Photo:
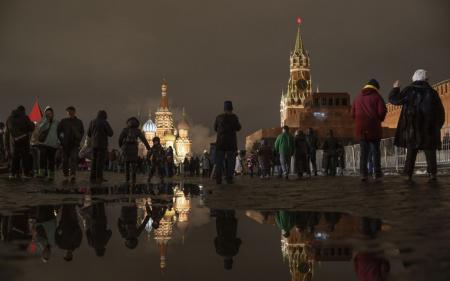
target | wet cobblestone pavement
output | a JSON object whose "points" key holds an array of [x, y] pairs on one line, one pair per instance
{"points": [[332, 227]]}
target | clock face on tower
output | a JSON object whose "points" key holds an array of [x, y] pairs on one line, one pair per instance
{"points": [[302, 84]]}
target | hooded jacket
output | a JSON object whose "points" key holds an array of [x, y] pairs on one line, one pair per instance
{"points": [[421, 118], [99, 131], [18, 126], [52, 135], [368, 111], [128, 140], [284, 144]]}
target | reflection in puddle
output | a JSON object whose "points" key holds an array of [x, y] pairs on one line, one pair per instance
{"points": [[170, 226]]}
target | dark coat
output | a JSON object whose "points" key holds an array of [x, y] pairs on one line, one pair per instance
{"points": [[227, 243], [226, 126], [312, 142], [18, 126], [99, 131], [128, 140], [70, 132], [68, 234], [421, 118], [368, 111], [331, 146], [301, 146]]}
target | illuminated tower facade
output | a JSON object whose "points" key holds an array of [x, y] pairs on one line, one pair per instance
{"points": [[299, 86], [183, 142], [164, 118]]}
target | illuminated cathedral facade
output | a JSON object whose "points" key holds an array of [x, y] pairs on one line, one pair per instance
{"points": [[164, 128]]}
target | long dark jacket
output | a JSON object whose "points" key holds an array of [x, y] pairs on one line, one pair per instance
{"points": [[226, 126], [18, 126], [70, 132], [99, 131], [301, 146], [421, 118], [312, 142], [227, 243], [68, 234], [128, 140]]}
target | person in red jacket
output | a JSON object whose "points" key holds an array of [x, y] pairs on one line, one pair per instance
{"points": [[369, 111]]}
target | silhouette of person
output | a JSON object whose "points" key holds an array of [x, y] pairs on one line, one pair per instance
{"points": [[127, 224], [97, 232], [68, 234], [227, 244]]}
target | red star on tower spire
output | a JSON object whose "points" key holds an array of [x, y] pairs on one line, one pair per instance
{"points": [[299, 20]]}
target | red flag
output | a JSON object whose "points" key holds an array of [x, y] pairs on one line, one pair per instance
{"points": [[36, 112]]}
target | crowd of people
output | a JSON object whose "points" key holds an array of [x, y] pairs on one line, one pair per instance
{"points": [[37, 149], [419, 129]]}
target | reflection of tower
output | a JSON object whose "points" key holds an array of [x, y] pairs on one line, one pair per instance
{"points": [[164, 118], [183, 143], [297, 253], [299, 85], [163, 234], [182, 205]]}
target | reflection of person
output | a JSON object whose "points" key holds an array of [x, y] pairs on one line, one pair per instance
{"points": [[227, 244], [44, 230], [285, 221], [97, 232], [68, 234], [127, 224], [370, 267]]}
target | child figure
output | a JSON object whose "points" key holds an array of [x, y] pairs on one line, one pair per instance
{"points": [[157, 157], [128, 142]]}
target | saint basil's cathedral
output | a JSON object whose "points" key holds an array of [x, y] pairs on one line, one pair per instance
{"points": [[164, 128]]}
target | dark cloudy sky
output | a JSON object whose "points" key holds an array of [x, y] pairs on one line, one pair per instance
{"points": [[113, 54]]}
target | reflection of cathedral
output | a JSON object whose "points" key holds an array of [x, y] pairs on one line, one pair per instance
{"points": [[163, 127], [178, 215]]}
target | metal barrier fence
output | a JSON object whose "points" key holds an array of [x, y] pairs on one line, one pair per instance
{"points": [[393, 158]]}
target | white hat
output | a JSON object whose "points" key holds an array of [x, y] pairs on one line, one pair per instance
{"points": [[420, 75]]}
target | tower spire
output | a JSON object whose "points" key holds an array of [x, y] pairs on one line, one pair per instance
{"points": [[298, 41], [164, 102]]}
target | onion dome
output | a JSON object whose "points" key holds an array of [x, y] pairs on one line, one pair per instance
{"points": [[149, 127]]}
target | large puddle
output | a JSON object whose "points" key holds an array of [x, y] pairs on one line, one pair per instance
{"points": [[167, 233]]}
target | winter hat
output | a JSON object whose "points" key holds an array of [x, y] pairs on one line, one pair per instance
{"points": [[228, 106], [374, 83], [420, 75]]}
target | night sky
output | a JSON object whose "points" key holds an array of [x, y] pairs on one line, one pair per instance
{"points": [[113, 55]]}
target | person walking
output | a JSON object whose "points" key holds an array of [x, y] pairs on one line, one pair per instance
{"points": [[301, 152], [420, 123], [99, 131], [157, 157], [226, 125], [70, 133], [369, 111], [128, 142], [48, 144], [17, 143], [285, 147], [313, 144], [330, 149], [206, 164], [265, 155]]}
